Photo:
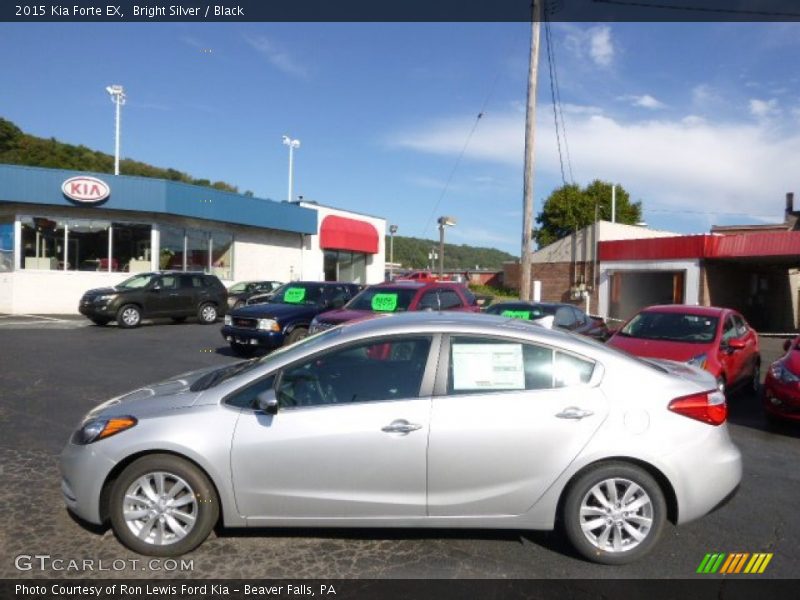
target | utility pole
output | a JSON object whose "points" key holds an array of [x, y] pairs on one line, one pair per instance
{"points": [[293, 145], [392, 231], [117, 93], [443, 222], [527, 185]]}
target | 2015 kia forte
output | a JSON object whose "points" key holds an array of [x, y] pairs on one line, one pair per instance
{"points": [[413, 420]]}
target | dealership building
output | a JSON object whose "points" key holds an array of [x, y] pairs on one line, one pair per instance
{"points": [[63, 232]]}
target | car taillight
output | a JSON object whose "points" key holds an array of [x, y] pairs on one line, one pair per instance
{"points": [[709, 407]]}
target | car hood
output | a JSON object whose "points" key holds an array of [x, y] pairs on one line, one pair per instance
{"points": [[103, 291], [679, 351], [277, 311], [164, 395]]}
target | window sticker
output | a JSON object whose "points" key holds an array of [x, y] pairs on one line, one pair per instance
{"points": [[294, 295], [488, 367], [517, 314], [384, 302]]}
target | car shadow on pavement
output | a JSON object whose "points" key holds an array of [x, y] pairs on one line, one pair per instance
{"points": [[87, 526], [744, 410]]}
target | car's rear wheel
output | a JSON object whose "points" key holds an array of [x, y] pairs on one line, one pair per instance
{"points": [[163, 505], [207, 314], [129, 316], [614, 513], [297, 335], [101, 322]]}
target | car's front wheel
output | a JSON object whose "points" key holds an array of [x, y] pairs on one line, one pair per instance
{"points": [[614, 513], [297, 335], [129, 316], [163, 505], [207, 314]]}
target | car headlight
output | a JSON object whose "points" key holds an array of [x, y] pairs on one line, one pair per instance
{"points": [[698, 361], [268, 325], [782, 374], [228, 320], [104, 298], [99, 429]]}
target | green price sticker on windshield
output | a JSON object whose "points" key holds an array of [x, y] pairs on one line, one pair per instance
{"points": [[384, 302], [517, 314], [294, 295]]}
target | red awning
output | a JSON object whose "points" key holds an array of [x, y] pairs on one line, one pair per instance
{"points": [[341, 233]]}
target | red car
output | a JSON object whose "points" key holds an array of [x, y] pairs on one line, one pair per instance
{"points": [[718, 340], [400, 296], [781, 396]]}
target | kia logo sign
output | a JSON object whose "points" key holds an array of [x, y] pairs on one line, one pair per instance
{"points": [[88, 190]]}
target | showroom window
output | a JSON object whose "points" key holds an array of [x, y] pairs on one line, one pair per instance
{"points": [[222, 254], [6, 247], [130, 247], [87, 245], [40, 245], [196, 250], [171, 248], [350, 267]]}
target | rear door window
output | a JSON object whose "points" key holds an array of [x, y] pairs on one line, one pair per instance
{"points": [[449, 299]]}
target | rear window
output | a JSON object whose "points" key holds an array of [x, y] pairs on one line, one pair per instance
{"points": [[382, 299], [515, 310]]}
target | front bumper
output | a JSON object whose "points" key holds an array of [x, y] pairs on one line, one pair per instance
{"points": [[252, 337], [83, 472], [97, 310], [781, 399]]}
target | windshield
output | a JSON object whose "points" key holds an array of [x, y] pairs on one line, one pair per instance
{"points": [[229, 371], [238, 288], [671, 326], [383, 299], [137, 281], [520, 310], [298, 293]]}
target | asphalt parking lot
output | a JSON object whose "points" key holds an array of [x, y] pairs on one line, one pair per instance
{"points": [[53, 370]]}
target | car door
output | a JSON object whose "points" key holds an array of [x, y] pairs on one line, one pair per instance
{"points": [[750, 352], [190, 294], [349, 439], [733, 359], [507, 419], [161, 296]]}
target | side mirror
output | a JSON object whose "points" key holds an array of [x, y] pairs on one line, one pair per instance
{"points": [[156, 288], [267, 402], [786, 345], [736, 344]]}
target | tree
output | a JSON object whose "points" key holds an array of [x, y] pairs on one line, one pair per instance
{"points": [[569, 208]]}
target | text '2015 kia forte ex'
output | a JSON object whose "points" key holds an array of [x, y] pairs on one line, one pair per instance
{"points": [[413, 420]]}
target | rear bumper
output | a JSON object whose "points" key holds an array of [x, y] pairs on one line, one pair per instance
{"points": [[252, 337]]}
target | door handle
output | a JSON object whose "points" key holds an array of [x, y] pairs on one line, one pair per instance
{"points": [[400, 426], [573, 412]]}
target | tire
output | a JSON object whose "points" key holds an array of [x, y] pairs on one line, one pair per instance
{"points": [[157, 537], [129, 316], [207, 313], [296, 335], [598, 543], [242, 350], [178, 319], [101, 322]]}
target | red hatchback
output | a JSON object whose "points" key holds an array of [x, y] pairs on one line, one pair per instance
{"points": [[400, 296], [718, 340], [782, 384]]}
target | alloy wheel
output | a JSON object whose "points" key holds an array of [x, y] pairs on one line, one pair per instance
{"points": [[160, 508], [131, 316], [616, 515], [208, 313]]}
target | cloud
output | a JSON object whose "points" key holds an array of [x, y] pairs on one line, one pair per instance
{"points": [[277, 56], [764, 109], [595, 42], [682, 163], [476, 235], [644, 101], [704, 95], [601, 49]]}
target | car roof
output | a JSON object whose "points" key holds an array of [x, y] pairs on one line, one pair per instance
{"points": [[687, 309]]}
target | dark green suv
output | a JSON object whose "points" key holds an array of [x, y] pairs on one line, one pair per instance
{"points": [[173, 294]]}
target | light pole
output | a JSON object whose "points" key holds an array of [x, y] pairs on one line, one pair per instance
{"points": [[392, 231], [443, 222], [118, 97], [287, 141]]}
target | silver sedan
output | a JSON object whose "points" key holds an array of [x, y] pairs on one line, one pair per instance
{"points": [[414, 420]]}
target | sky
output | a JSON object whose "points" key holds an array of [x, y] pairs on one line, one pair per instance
{"points": [[699, 121]]}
